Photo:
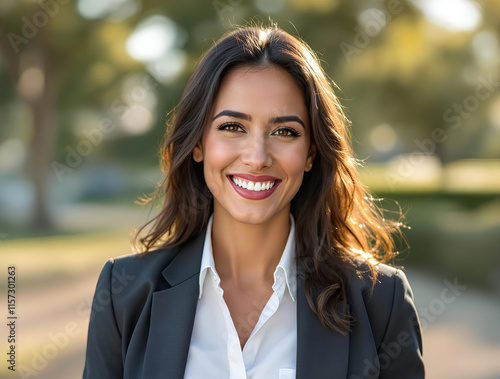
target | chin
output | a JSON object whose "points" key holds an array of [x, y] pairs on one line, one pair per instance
{"points": [[254, 215]]}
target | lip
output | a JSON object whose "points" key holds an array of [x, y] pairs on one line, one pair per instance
{"points": [[253, 195]]}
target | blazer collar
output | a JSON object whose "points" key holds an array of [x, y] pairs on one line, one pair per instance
{"points": [[186, 263], [172, 314], [320, 353]]}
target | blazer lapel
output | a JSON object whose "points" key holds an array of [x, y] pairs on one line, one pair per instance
{"points": [[172, 314], [321, 353]]}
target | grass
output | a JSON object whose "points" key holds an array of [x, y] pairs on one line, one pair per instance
{"points": [[46, 259]]}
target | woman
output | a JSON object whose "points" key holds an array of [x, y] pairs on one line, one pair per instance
{"points": [[265, 261]]}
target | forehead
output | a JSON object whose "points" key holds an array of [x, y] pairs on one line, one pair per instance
{"points": [[264, 90]]}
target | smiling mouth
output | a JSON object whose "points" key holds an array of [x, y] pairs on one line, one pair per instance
{"points": [[253, 186]]}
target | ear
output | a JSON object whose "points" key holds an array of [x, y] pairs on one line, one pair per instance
{"points": [[310, 157], [198, 152]]}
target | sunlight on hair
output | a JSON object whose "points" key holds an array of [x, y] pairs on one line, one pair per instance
{"points": [[366, 256]]}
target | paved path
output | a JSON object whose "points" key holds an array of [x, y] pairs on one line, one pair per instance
{"points": [[52, 328], [461, 328]]}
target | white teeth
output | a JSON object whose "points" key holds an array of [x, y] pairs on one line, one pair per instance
{"points": [[258, 186]]}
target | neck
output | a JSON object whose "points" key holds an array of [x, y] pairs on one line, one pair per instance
{"points": [[246, 253]]}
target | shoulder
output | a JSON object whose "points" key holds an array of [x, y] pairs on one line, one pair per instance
{"points": [[388, 278], [127, 283], [148, 264], [389, 283], [136, 275], [387, 302], [139, 275], [385, 317]]}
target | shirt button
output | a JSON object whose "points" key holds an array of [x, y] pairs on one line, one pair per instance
{"points": [[277, 276], [214, 277]]}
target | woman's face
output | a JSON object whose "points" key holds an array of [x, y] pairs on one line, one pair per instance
{"points": [[256, 145]]}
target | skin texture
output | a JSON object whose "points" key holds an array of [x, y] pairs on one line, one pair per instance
{"points": [[249, 236]]}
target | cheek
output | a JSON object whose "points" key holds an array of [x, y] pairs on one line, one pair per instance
{"points": [[218, 155], [292, 159]]}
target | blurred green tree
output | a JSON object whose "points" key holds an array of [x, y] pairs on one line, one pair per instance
{"points": [[53, 54], [393, 65]]}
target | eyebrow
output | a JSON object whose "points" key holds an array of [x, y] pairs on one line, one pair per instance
{"points": [[272, 120]]}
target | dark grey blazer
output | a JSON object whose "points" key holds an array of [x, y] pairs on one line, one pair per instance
{"points": [[143, 312]]}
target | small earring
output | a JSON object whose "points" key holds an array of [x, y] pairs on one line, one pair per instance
{"points": [[310, 165]]}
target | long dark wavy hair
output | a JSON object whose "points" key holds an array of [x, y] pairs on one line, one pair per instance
{"points": [[337, 220]]}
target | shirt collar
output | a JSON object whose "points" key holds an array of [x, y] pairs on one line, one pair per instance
{"points": [[207, 259], [285, 270]]}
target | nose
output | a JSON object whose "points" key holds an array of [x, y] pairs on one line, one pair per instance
{"points": [[255, 153]]}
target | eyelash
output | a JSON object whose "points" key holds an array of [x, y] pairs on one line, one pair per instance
{"points": [[293, 132]]}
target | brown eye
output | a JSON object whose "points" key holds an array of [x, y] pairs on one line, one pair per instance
{"points": [[286, 132], [230, 127]]}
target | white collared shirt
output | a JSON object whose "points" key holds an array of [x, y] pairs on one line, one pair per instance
{"points": [[271, 350]]}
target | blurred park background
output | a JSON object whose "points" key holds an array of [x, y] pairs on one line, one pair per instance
{"points": [[85, 89]]}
